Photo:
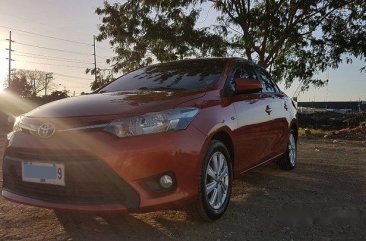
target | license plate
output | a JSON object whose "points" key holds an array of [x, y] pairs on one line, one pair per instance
{"points": [[47, 173]]}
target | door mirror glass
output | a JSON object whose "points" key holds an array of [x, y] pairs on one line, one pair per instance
{"points": [[247, 85]]}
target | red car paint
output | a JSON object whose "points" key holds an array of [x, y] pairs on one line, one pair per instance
{"points": [[257, 125]]}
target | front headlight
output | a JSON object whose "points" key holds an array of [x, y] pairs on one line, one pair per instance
{"points": [[169, 120], [23, 123], [16, 127], [17, 124]]}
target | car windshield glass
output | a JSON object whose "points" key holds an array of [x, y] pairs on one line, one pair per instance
{"points": [[187, 75]]}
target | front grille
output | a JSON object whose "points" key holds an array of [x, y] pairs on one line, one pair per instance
{"points": [[88, 181]]}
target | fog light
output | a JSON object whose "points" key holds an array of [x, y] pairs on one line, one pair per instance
{"points": [[166, 181]]}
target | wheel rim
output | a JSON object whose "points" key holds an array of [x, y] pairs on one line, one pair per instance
{"points": [[217, 180], [292, 150]]}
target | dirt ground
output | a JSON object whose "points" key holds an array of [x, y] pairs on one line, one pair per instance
{"points": [[324, 198]]}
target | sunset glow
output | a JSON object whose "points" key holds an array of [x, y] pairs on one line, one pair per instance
{"points": [[70, 60], [3, 64]]}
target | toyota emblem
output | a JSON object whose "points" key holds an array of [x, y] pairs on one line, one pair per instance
{"points": [[46, 130]]}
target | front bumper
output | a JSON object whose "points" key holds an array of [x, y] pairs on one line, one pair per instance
{"points": [[99, 208], [88, 182], [105, 173]]}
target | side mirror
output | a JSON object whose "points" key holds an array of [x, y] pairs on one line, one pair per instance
{"points": [[247, 85]]}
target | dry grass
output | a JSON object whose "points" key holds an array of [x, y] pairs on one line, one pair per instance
{"points": [[314, 132], [357, 133]]}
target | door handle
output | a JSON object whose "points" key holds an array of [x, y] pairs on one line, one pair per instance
{"points": [[268, 110], [285, 106]]}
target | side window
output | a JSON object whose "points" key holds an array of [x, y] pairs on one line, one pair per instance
{"points": [[244, 71], [266, 80], [277, 88]]}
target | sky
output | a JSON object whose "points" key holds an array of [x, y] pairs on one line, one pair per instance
{"points": [[76, 20], [66, 19]]}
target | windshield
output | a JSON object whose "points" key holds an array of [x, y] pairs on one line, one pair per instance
{"points": [[187, 74]]}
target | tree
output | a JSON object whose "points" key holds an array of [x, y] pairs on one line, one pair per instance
{"points": [[19, 86], [293, 39], [56, 95], [36, 80], [104, 76]]}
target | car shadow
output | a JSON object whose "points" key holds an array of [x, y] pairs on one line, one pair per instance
{"points": [[312, 202], [107, 227]]}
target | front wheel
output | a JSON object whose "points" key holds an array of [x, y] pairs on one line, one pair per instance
{"points": [[215, 183], [288, 161]]}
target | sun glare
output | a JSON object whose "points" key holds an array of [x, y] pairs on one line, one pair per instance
{"points": [[3, 64]]}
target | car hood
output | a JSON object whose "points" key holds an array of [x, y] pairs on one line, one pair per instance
{"points": [[116, 103]]}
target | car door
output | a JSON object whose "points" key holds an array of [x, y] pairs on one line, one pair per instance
{"points": [[254, 121], [277, 109]]}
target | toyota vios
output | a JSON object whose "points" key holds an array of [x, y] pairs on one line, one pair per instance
{"points": [[165, 136]]}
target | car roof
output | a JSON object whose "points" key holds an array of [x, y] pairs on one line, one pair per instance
{"points": [[213, 59]]}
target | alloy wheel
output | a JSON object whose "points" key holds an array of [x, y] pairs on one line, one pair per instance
{"points": [[217, 180], [292, 152]]}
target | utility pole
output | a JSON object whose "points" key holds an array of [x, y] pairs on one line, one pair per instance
{"points": [[9, 58], [47, 81], [95, 61]]}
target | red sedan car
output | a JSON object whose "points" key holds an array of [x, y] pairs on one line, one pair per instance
{"points": [[165, 136]]}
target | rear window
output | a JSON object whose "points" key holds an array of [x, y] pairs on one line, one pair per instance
{"points": [[187, 74]]}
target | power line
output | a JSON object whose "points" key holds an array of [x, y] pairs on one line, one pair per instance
{"points": [[70, 76], [53, 59], [47, 56], [59, 65], [103, 57], [64, 75], [104, 48], [298, 90], [53, 37], [53, 49], [69, 66], [45, 36], [58, 59], [27, 19]]}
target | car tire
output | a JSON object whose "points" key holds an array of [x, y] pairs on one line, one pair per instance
{"points": [[215, 184], [289, 159]]}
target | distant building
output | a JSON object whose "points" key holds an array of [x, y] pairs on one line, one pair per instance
{"points": [[336, 106]]}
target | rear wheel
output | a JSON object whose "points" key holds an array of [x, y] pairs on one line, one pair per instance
{"points": [[215, 183], [288, 161]]}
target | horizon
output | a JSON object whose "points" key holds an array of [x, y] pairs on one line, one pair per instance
{"points": [[40, 44]]}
